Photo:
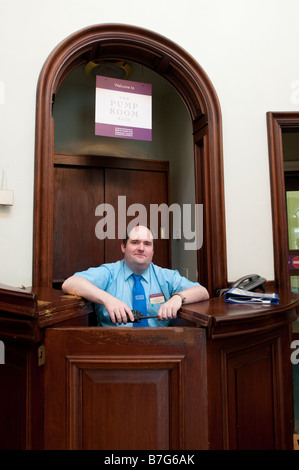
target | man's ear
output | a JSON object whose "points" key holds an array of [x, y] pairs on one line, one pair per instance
{"points": [[123, 248]]}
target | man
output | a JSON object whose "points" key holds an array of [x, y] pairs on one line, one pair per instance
{"points": [[110, 285]]}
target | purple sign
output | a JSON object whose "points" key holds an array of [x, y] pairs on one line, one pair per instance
{"points": [[123, 109]]}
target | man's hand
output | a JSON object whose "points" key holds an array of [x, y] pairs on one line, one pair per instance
{"points": [[169, 309], [118, 310]]}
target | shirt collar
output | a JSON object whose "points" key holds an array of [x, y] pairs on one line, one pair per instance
{"points": [[128, 272]]}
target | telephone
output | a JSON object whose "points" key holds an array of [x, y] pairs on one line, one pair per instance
{"points": [[249, 282]]}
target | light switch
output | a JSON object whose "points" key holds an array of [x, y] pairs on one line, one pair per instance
{"points": [[6, 197]]}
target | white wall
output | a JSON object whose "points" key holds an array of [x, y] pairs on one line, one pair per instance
{"points": [[248, 49]]}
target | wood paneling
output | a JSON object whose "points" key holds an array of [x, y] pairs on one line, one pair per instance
{"points": [[277, 123], [252, 408], [129, 399], [20, 370], [139, 187], [81, 184], [77, 192], [221, 378], [121, 389]]}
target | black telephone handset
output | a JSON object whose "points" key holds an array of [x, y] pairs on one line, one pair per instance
{"points": [[249, 282]]}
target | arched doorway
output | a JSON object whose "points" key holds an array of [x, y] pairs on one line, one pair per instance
{"points": [[191, 82]]}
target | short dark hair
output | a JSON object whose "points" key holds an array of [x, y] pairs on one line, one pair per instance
{"points": [[126, 238]]}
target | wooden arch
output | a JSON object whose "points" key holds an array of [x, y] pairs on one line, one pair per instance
{"points": [[189, 79]]}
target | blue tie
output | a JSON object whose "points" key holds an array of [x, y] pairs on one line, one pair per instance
{"points": [[139, 300]]}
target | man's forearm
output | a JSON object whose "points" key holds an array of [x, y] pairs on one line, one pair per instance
{"points": [[195, 294], [77, 285], [117, 309]]}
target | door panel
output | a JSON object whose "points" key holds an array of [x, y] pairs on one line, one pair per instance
{"points": [[138, 187], [116, 388], [82, 183], [252, 405], [77, 192]]}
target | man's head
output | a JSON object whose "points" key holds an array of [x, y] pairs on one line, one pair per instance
{"points": [[138, 249]]}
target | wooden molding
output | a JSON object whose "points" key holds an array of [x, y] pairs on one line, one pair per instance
{"points": [[277, 122], [189, 79]]}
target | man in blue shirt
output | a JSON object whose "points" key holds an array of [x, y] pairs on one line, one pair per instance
{"points": [[110, 285]]}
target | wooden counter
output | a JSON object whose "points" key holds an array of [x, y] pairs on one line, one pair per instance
{"points": [[221, 378], [222, 319]]}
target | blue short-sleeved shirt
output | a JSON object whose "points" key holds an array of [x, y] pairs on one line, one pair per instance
{"points": [[116, 279]]}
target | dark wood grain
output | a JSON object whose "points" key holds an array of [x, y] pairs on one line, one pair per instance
{"points": [[221, 378]]}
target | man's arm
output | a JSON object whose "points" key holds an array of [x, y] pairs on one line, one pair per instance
{"points": [[117, 309], [193, 294]]}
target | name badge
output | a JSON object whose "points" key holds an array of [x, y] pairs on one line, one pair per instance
{"points": [[157, 298], [139, 297]]}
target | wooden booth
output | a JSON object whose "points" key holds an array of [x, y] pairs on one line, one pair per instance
{"points": [[220, 379]]}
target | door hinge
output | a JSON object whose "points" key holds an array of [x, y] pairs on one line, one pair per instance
{"points": [[41, 355]]}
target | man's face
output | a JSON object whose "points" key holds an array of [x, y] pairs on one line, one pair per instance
{"points": [[139, 250]]}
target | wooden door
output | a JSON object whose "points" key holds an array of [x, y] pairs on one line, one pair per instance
{"points": [[120, 388], [82, 183], [77, 192], [145, 188]]}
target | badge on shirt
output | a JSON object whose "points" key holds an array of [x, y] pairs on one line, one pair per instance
{"points": [[139, 297], [157, 298]]}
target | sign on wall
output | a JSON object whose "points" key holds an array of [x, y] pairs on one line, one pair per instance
{"points": [[123, 109]]}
